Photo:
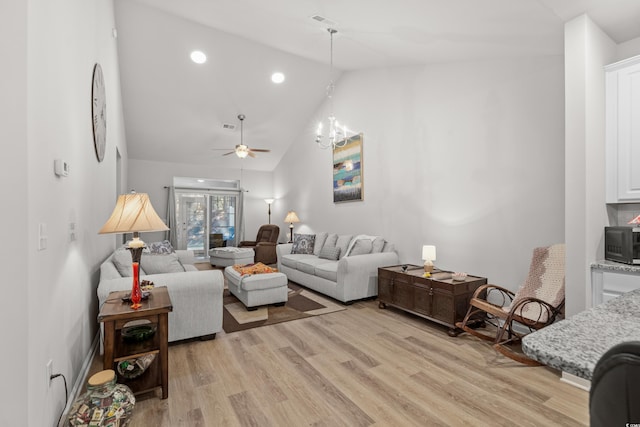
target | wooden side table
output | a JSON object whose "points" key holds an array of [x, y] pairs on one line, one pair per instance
{"points": [[437, 298], [115, 314]]}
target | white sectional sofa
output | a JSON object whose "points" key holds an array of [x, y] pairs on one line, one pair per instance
{"points": [[196, 295], [343, 267]]}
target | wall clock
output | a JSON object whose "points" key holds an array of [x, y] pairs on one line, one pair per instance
{"points": [[99, 112]]}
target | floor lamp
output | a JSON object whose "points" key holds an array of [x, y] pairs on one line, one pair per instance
{"points": [[268, 202]]}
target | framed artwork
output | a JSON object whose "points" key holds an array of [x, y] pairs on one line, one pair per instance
{"points": [[347, 171]]}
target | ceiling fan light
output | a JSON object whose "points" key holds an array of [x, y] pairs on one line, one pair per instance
{"points": [[242, 151]]}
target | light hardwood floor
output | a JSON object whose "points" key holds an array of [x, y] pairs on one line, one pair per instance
{"points": [[358, 367]]}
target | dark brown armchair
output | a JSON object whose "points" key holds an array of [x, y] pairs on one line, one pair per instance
{"points": [[265, 244]]}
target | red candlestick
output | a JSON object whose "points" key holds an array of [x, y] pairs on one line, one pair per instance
{"points": [[136, 293]]}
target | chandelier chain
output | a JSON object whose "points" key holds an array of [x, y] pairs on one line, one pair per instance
{"points": [[337, 134]]}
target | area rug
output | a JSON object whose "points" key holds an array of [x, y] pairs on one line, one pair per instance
{"points": [[301, 303]]}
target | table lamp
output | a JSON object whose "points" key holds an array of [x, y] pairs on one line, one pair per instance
{"points": [[428, 255], [291, 218], [134, 214]]}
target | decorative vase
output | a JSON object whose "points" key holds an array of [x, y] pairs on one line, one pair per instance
{"points": [[105, 403], [136, 293]]}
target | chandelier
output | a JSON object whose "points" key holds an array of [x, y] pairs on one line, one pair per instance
{"points": [[336, 133]]}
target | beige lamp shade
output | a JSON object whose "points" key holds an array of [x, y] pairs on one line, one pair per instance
{"points": [[133, 214], [428, 253], [291, 217]]}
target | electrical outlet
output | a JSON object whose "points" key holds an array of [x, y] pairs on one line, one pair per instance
{"points": [[49, 371]]}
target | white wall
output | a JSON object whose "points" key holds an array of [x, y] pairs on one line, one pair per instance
{"points": [[587, 50], [468, 157], [16, 274], [64, 40], [151, 177]]}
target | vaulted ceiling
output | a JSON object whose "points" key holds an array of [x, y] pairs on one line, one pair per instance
{"points": [[175, 110]]}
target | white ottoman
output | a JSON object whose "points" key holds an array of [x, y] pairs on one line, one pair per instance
{"points": [[227, 256], [258, 289]]}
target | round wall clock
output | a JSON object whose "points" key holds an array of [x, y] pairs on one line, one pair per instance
{"points": [[99, 112]]}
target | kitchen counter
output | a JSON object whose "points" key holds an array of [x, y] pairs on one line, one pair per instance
{"points": [[615, 266], [575, 345]]}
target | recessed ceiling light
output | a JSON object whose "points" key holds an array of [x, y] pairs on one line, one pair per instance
{"points": [[198, 57], [201, 180], [277, 77]]}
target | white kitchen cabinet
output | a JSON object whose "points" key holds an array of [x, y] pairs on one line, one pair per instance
{"points": [[623, 131]]}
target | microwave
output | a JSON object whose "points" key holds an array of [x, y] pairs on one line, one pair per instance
{"points": [[622, 244]]}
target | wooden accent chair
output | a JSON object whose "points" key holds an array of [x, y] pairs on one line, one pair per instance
{"points": [[538, 303], [265, 244]]}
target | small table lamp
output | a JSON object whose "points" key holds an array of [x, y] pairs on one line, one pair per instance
{"points": [[428, 255], [268, 202], [291, 218], [134, 214]]}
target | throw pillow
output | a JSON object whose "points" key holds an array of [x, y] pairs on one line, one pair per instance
{"points": [[329, 252], [122, 260], [378, 244], [361, 247], [158, 264], [303, 244], [320, 239], [343, 243], [163, 247], [331, 240]]}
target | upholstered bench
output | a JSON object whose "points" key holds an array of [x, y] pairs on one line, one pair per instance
{"points": [[257, 289], [227, 256]]}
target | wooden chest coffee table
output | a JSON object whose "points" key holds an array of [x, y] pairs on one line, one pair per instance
{"points": [[437, 298]]}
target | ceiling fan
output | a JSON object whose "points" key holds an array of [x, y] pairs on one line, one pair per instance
{"points": [[241, 150]]}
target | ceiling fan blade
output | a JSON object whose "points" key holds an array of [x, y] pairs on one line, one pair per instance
{"points": [[260, 150], [251, 154], [220, 149], [230, 152]]}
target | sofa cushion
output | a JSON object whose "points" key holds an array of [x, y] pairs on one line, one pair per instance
{"points": [[291, 260], [328, 270], [319, 243], [330, 252], [157, 264], [303, 244], [343, 243], [308, 265], [122, 260], [361, 247]]}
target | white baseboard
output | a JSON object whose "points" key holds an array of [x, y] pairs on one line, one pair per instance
{"points": [[82, 378], [576, 381]]}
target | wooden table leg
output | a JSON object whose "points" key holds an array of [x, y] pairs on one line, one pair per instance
{"points": [[163, 329], [109, 343]]}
